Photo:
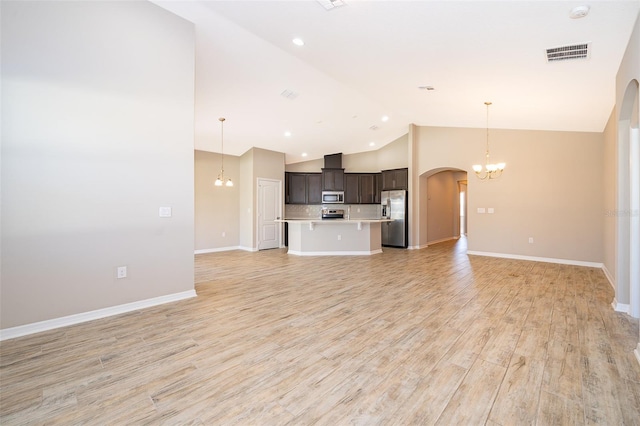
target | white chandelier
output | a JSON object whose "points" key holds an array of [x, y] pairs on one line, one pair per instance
{"points": [[491, 171], [220, 179]]}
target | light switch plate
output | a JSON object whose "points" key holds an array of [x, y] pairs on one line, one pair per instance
{"points": [[164, 212], [481, 210], [490, 210]]}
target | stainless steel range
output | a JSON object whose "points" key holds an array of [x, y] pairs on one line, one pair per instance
{"points": [[333, 213]]}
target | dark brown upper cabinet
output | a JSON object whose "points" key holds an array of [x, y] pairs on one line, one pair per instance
{"points": [[395, 179], [333, 179], [303, 188]]}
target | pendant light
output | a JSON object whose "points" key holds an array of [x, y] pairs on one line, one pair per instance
{"points": [[491, 171], [220, 179]]}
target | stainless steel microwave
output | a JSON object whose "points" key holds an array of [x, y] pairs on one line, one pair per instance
{"points": [[332, 197]]}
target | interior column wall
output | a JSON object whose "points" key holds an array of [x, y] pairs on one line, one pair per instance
{"points": [[97, 135]]}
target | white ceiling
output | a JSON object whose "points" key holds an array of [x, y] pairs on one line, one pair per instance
{"points": [[368, 58]]}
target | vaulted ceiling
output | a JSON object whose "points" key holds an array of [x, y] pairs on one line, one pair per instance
{"points": [[372, 59]]}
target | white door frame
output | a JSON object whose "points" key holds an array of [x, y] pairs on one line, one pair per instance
{"points": [[634, 222]]}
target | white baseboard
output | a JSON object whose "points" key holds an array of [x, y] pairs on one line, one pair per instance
{"points": [[37, 327], [419, 247], [620, 307], [537, 259], [248, 248], [333, 253], [215, 250], [441, 240]]}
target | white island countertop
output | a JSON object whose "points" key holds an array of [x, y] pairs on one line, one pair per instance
{"points": [[333, 221], [316, 220], [318, 237]]}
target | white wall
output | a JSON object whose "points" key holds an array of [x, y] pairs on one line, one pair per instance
{"points": [[394, 155], [217, 208], [551, 189], [97, 134]]}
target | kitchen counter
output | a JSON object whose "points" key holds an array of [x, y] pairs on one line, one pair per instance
{"points": [[334, 237]]}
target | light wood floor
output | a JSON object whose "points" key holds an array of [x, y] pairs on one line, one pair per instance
{"points": [[428, 336]]}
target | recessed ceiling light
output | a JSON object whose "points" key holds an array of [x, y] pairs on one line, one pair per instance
{"points": [[304, 154], [298, 41], [385, 118], [372, 144], [287, 134], [579, 12]]}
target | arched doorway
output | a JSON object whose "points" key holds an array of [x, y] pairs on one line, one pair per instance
{"points": [[443, 198], [628, 202]]}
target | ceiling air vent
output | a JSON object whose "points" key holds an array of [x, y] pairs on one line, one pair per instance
{"points": [[564, 53]]}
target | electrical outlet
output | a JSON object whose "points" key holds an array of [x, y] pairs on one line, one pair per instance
{"points": [[224, 234], [339, 237], [122, 272], [530, 240]]}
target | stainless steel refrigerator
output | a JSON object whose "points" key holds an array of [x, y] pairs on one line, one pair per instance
{"points": [[394, 206]]}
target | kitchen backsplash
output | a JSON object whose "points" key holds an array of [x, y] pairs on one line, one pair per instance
{"points": [[357, 211]]}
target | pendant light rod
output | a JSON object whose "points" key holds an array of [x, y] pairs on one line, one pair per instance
{"points": [[491, 171], [220, 179], [221, 120]]}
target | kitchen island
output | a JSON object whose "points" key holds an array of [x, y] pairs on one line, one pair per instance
{"points": [[334, 237]]}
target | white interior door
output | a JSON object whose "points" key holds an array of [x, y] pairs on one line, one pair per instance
{"points": [[269, 210]]}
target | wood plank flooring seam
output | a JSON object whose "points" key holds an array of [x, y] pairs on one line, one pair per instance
{"points": [[429, 336]]}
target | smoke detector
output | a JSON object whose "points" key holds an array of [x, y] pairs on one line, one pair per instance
{"points": [[579, 12]]}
